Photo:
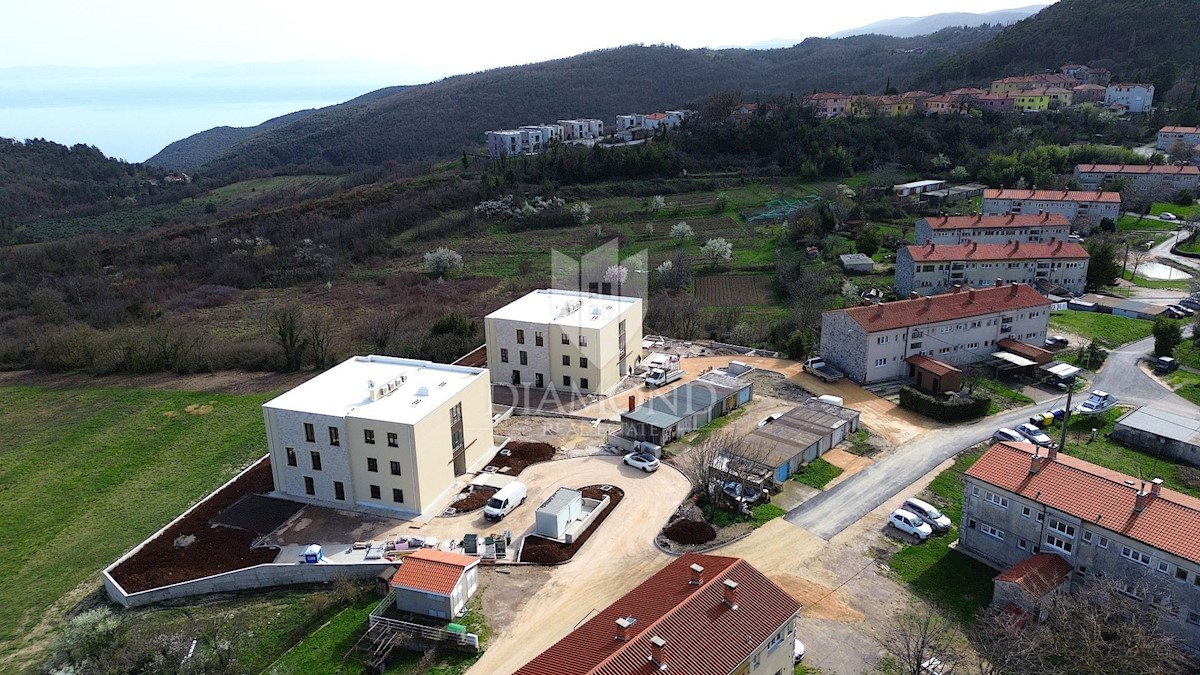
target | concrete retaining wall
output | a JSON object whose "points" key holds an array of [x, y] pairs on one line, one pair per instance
{"points": [[583, 524]]}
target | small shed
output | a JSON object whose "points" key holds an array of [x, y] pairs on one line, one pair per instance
{"points": [[664, 418], [557, 512], [1032, 583], [933, 376], [436, 583], [1157, 431], [857, 263], [1036, 354], [799, 436]]}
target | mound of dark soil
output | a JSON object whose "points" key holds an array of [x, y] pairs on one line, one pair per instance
{"points": [[522, 454], [474, 500], [547, 551], [690, 532]]}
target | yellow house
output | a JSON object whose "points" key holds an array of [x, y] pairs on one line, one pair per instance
{"points": [[380, 434], [1050, 98]]}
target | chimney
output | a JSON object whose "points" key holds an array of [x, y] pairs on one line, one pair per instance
{"points": [[697, 575], [657, 652], [1051, 454], [1156, 487], [913, 295], [865, 302], [932, 246], [879, 309], [1016, 244], [971, 295], [1046, 216], [1013, 292], [1035, 462], [631, 402], [928, 303], [731, 593], [1052, 239], [1139, 502], [623, 626], [1011, 217], [1059, 247], [957, 287]]}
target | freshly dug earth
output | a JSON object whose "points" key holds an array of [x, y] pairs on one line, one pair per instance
{"points": [[215, 550], [690, 532], [547, 551], [474, 500], [522, 454]]}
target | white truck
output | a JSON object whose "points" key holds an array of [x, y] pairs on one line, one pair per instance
{"points": [[660, 376], [817, 366]]}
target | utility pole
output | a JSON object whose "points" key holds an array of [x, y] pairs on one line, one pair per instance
{"points": [[1062, 445]]}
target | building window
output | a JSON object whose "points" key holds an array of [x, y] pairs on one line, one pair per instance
{"points": [[583, 362], [582, 340], [291, 456], [583, 383], [310, 487], [975, 490], [1164, 567], [879, 363], [372, 465], [1025, 511], [998, 500], [334, 438], [395, 467], [566, 359], [566, 380], [310, 433], [316, 460], [1054, 541], [991, 531], [393, 440], [369, 436], [456, 413], [1087, 537], [524, 358], [339, 491], [566, 339], [398, 495], [1021, 544], [1064, 528], [520, 336], [503, 355], [375, 492], [1135, 555], [1181, 574], [538, 338], [1103, 543], [1193, 618]]}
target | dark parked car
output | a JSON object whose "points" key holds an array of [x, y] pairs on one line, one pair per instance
{"points": [[1056, 342]]}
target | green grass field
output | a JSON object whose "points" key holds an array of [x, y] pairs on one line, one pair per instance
{"points": [[1107, 330], [934, 571], [89, 473], [1184, 212], [1133, 224], [1173, 284], [817, 474]]}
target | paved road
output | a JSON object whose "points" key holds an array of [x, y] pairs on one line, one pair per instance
{"points": [[834, 510]]}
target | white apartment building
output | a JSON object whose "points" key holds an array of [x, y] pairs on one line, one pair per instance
{"points": [[1135, 98], [870, 343], [626, 122], [992, 229], [380, 434], [936, 268], [1169, 136], [529, 139], [1080, 207], [1149, 179], [550, 338], [581, 128]]}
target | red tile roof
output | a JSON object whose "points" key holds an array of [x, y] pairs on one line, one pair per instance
{"points": [[919, 93], [1098, 496], [1054, 195], [826, 96], [1008, 220], [1021, 349], [1028, 250], [931, 365], [1179, 130], [703, 635], [1139, 168], [945, 307], [433, 571], [1038, 574], [1091, 87]]}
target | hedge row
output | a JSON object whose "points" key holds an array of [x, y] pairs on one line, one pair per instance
{"points": [[943, 410]]}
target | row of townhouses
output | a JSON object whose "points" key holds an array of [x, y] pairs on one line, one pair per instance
{"points": [[1083, 208], [535, 138], [937, 268], [1072, 522], [998, 229], [1156, 180], [1168, 136]]}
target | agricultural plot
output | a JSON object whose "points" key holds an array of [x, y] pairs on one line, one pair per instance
{"points": [[736, 290]]}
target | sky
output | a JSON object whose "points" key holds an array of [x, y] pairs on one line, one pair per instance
{"points": [[338, 50]]}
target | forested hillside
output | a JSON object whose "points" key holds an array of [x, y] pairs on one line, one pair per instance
{"points": [[1138, 40], [38, 177], [443, 117], [206, 146]]}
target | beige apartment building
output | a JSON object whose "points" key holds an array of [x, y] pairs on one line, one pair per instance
{"points": [[1000, 229], [937, 268], [380, 434], [1161, 180], [550, 338], [871, 343]]}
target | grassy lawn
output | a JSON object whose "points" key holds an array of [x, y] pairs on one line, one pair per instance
{"points": [[1003, 397], [1107, 330], [938, 574], [88, 473], [716, 425], [817, 474], [1132, 224], [1174, 284], [1184, 212], [1192, 246], [1186, 385]]}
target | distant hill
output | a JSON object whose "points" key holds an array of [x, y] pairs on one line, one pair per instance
{"points": [[1135, 39], [38, 177], [199, 149], [911, 26], [441, 118]]}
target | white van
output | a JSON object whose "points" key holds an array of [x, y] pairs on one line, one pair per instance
{"points": [[504, 501]]}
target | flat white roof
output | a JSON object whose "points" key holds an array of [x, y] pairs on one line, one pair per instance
{"points": [[918, 183], [564, 308], [345, 389]]}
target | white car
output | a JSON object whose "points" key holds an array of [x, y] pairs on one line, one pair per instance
{"points": [[643, 461], [768, 419], [736, 491], [910, 523], [1002, 435], [1166, 215], [797, 652], [1098, 402], [928, 513], [1035, 435]]}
